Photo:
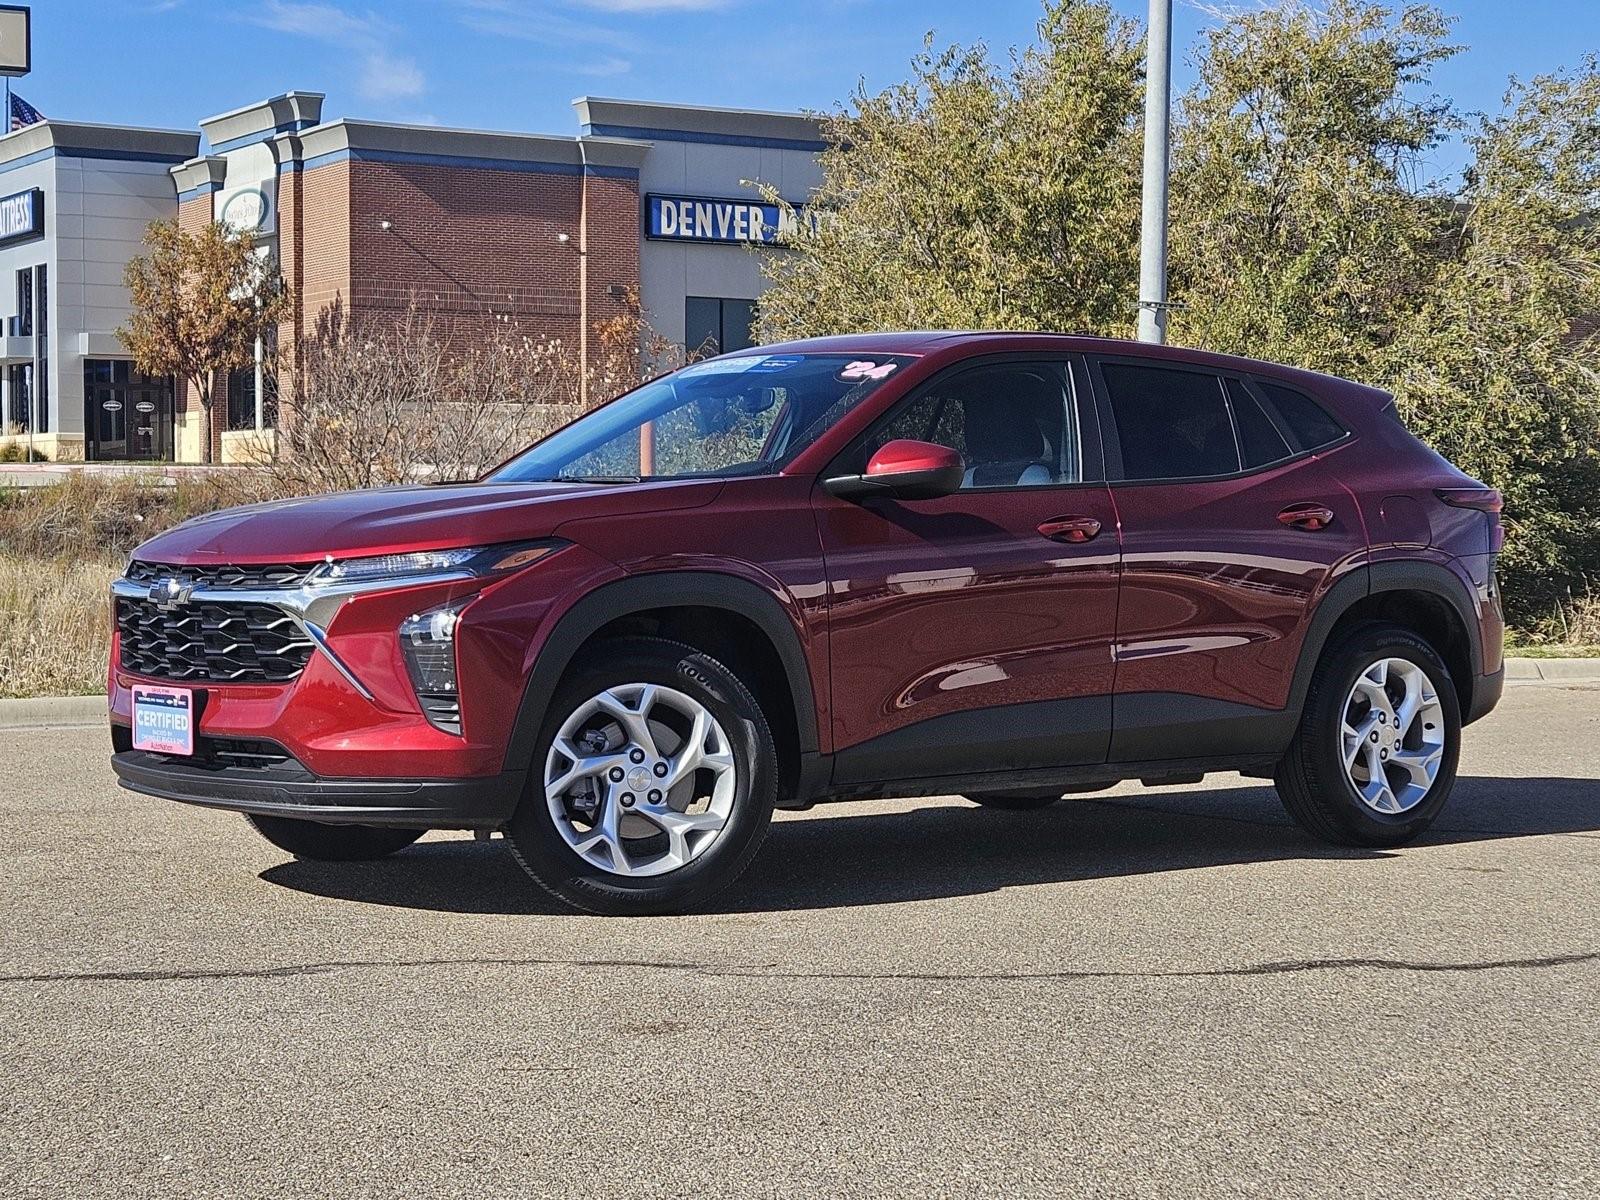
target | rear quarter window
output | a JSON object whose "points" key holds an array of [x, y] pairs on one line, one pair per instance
{"points": [[1306, 419]]}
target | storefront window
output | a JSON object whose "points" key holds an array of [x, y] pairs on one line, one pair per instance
{"points": [[242, 391], [20, 390], [42, 356], [716, 326]]}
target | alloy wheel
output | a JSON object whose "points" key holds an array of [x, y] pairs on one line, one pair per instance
{"points": [[640, 780], [1392, 736]]}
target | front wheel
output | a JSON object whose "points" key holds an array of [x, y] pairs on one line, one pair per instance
{"points": [[1374, 758], [317, 842], [653, 784]]}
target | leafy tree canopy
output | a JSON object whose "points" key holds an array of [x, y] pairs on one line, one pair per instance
{"points": [[200, 300]]}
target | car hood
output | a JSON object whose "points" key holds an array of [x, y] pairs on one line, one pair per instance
{"points": [[398, 519]]}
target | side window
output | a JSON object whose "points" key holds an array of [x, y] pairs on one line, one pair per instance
{"points": [[1307, 420], [1012, 423], [1259, 439], [1171, 424]]}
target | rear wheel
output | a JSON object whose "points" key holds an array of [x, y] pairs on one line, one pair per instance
{"points": [[316, 842], [653, 784], [1374, 758], [1021, 801]]}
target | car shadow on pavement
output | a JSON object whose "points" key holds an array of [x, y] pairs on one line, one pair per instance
{"points": [[884, 856]]}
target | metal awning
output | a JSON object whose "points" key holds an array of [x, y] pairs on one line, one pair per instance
{"points": [[15, 349]]}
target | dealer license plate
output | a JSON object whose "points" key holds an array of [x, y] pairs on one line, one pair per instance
{"points": [[163, 719]]}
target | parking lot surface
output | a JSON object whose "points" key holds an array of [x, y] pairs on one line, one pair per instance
{"points": [[1164, 992]]}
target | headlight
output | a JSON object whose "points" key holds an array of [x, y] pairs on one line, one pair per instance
{"points": [[428, 644], [470, 560]]}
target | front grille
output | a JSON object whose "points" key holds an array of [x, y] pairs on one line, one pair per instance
{"points": [[234, 576], [220, 642]]}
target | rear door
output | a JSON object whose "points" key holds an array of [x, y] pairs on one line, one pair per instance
{"points": [[972, 633], [1232, 528]]}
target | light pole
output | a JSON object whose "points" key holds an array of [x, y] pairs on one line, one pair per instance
{"points": [[1153, 218]]}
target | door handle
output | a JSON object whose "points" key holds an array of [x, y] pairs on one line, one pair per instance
{"points": [[1310, 517], [1070, 529]]}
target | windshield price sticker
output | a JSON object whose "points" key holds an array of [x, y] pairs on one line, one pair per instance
{"points": [[861, 369], [726, 365]]}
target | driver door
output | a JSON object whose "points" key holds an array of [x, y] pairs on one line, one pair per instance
{"points": [[972, 633]]}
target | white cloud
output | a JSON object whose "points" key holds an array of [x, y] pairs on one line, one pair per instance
{"points": [[383, 75]]}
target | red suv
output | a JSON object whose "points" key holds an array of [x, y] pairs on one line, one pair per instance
{"points": [[1011, 566]]}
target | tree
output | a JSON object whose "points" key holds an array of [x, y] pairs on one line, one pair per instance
{"points": [[1298, 231], [1498, 367], [200, 302], [976, 196]]}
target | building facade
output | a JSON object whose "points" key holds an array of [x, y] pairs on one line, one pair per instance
{"points": [[550, 234], [74, 202]]}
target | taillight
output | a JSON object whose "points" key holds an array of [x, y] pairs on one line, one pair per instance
{"points": [[1484, 499]]}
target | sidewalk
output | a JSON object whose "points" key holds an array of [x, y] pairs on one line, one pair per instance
{"points": [[44, 474], [62, 712]]}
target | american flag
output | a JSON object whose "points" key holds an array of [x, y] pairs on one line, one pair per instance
{"points": [[23, 113]]}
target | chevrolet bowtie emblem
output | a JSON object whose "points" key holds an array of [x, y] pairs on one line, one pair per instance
{"points": [[169, 594]]}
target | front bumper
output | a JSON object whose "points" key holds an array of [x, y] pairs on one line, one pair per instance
{"points": [[482, 802]]}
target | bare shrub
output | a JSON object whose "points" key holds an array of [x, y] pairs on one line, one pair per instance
{"points": [[385, 401], [388, 400]]}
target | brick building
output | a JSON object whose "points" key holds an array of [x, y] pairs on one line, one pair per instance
{"points": [[551, 233]]}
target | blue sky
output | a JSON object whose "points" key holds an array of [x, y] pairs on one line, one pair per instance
{"points": [[517, 64]]}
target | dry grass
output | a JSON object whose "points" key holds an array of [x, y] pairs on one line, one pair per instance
{"points": [[55, 624], [60, 547], [1574, 621]]}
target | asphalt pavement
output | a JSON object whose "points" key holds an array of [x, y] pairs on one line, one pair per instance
{"points": [[1162, 992]]}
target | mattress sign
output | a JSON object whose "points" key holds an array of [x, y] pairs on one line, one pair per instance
{"points": [[21, 216]]}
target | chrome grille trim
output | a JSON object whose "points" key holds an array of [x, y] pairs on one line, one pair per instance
{"points": [[229, 576]]}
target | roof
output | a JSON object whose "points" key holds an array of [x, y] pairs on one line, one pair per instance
{"points": [[959, 343]]}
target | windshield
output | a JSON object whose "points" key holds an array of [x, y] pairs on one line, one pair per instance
{"points": [[737, 415]]}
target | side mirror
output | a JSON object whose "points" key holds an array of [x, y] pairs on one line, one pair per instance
{"points": [[904, 470]]}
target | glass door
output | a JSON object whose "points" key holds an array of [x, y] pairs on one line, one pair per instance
{"points": [[127, 416]]}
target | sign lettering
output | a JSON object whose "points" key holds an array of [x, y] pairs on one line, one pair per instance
{"points": [[21, 216], [703, 219]]}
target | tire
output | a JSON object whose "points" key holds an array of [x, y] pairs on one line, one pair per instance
{"points": [[1325, 798], [1013, 801], [313, 841], [578, 862]]}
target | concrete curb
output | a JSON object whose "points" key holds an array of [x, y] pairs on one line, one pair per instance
{"points": [[1552, 670], [52, 712], [66, 712]]}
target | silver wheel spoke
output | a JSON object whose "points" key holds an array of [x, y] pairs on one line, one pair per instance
{"points": [[678, 826], [631, 716], [1372, 685], [1421, 765], [582, 767], [690, 754], [700, 772], [1411, 703], [1355, 739]]}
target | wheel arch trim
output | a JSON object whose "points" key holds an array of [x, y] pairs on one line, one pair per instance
{"points": [[641, 593], [1374, 579]]}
